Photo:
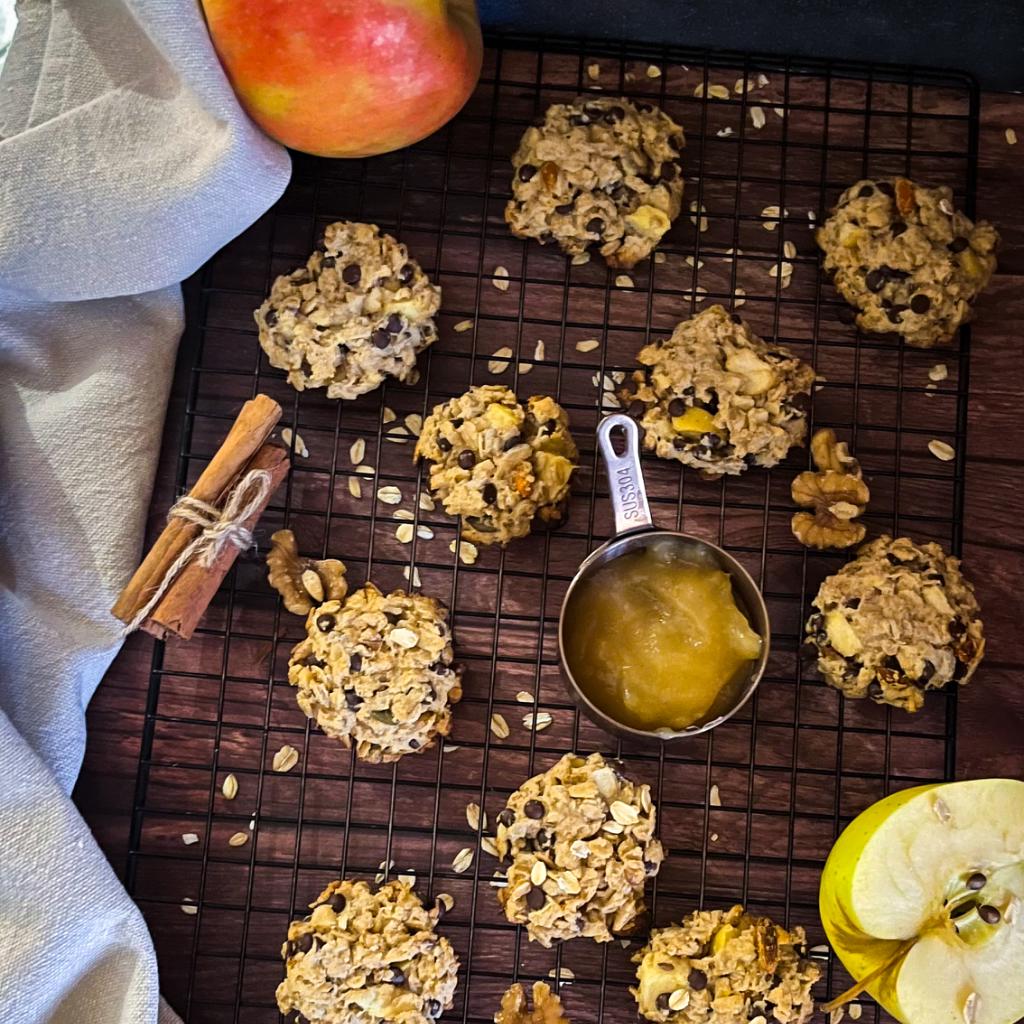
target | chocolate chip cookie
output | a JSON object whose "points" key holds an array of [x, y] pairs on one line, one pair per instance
{"points": [[725, 967], [601, 172], [898, 620], [360, 310], [906, 259], [364, 956], [503, 468], [579, 840], [716, 397], [376, 671]]}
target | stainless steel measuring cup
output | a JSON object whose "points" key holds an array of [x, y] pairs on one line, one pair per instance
{"points": [[635, 529]]}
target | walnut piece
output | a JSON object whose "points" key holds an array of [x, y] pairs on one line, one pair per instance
{"points": [[547, 1007], [836, 493], [302, 582]]}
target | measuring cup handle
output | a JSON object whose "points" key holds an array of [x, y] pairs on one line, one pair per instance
{"points": [[625, 480]]}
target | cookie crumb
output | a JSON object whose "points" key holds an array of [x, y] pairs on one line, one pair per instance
{"points": [[938, 372]]}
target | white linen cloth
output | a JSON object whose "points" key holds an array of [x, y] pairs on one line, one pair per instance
{"points": [[125, 162]]}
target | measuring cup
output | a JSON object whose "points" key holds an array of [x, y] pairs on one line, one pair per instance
{"points": [[635, 529]]}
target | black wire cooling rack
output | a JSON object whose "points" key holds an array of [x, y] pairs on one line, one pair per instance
{"points": [[748, 812]]}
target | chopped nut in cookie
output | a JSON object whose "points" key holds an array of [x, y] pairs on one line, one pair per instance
{"points": [[546, 1009], [302, 582]]}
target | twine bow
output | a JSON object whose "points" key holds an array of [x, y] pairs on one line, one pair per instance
{"points": [[219, 528]]}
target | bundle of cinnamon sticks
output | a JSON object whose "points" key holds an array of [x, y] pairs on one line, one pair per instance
{"points": [[189, 593]]}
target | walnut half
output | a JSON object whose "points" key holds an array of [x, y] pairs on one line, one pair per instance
{"points": [[303, 583], [836, 493], [547, 1007]]}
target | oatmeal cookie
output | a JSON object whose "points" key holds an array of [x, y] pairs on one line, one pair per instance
{"points": [[898, 620], [598, 171], [360, 310], [906, 259], [501, 467], [547, 1007], [715, 397], [365, 956], [579, 841], [725, 967], [376, 671]]}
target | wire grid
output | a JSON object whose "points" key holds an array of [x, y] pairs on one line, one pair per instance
{"points": [[790, 769]]}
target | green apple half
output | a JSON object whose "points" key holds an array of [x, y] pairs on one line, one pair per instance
{"points": [[922, 898]]}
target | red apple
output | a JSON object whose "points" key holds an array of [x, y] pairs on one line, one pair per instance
{"points": [[348, 78]]}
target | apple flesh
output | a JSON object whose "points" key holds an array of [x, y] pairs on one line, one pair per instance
{"points": [[348, 78], [922, 898]]}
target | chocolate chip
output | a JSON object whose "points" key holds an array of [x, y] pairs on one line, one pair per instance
{"points": [[885, 188], [512, 442], [577, 120], [874, 690], [289, 950], [595, 225], [444, 444], [897, 227], [535, 898], [926, 673], [711, 402], [920, 303], [506, 817], [355, 662], [551, 426], [989, 914], [619, 191], [678, 142], [676, 407], [327, 261], [564, 208], [352, 273], [526, 172], [736, 318], [393, 617], [711, 441], [395, 323], [957, 245], [271, 317], [397, 976], [668, 172], [467, 460], [614, 114], [636, 409], [895, 313], [414, 744], [662, 1001], [875, 280], [490, 493], [353, 700], [457, 422], [312, 661], [381, 338], [865, 191], [325, 623], [679, 443], [433, 1008], [893, 274], [534, 809], [304, 943], [697, 980], [337, 902], [976, 881]]}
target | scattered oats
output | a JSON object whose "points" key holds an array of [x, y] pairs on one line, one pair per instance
{"points": [[699, 90], [579, 849], [445, 900], [836, 1015], [587, 346], [537, 722], [653, 71], [405, 638], [593, 71], [715, 797], [680, 999], [462, 326], [718, 92], [498, 363], [488, 845], [313, 585], [285, 759], [498, 880], [942, 451], [773, 213], [189, 838], [762, 79], [660, 257], [623, 813], [702, 224], [700, 293], [408, 877], [731, 254], [355, 488], [714, 837], [624, 943], [425, 502], [389, 415], [739, 300], [450, 748], [855, 1010], [538, 350], [524, 368], [819, 952], [287, 435], [779, 111], [724, 133], [691, 262], [938, 372], [189, 908], [1011, 137], [239, 839], [463, 860], [812, 216], [424, 532], [366, 470], [357, 450], [757, 117], [474, 816], [613, 828], [539, 872], [467, 551], [229, 787], [415, 574], [404, 533], [609, 402], [524, 697], [759, 1019], [500, 279], [390, 495], [646, 803], [783, 270], [742, 85], [403, 514], [629, 77], [414, 422], [580, 259], [789, 250], [946, 206], [561, 974], [623, 281], [397, 435], [382, 870], [499, 726], [930, 388]]}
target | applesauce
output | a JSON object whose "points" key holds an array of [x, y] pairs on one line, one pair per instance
{"points": [[656, 641]]}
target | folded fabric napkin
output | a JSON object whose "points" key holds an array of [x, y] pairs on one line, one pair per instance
{"points": [[125, 162]]}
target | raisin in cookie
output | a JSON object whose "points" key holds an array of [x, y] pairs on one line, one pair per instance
{"points": [[598, 171], [360, 310], [502, 467], [725, 967], [580, 842], [898, 620], [906, 259], [365, 956], [376, 671], [716, 397]]}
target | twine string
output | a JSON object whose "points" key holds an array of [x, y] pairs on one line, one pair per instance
{"points": [[219, 527]]}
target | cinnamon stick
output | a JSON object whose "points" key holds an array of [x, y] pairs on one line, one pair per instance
{"points": [[253, 426], [188, 597]]}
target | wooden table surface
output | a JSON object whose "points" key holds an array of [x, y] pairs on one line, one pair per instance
{"points": [[990, 722]]}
